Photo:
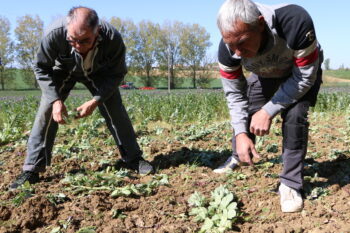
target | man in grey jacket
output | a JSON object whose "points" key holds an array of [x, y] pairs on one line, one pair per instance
{"points": [[80, 48], [278, 45]]}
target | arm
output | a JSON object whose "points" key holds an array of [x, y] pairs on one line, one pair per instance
{"points": [[235, 86], [302, 79], [296, 26], [109, 78], [43, 67], [112, 76]]}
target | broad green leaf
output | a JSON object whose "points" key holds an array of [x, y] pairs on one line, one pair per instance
{"points": [[207, 225], [226, 201], [232, 210], [56, 230], [200, 212], [196, 199], [224, 225]]}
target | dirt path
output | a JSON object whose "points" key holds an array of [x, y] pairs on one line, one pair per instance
{"points": [[330, 79]]}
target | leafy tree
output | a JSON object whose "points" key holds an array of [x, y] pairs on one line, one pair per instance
{"points": [[169, 49], [29, 31], [129, 33], [146, 57], [326, 64], [6, 51], [194, 44]]}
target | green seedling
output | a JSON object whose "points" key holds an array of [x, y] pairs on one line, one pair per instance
{"points": [[141, 189], [318, 192], [26, 191], [58, 198], [217, 213], [90, 229], [116, 213], [71, 115]]}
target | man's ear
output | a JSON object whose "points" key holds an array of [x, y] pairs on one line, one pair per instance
{"points": [[261, 20], [98, 30]]}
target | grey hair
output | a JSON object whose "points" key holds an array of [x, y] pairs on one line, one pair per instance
{"points": [[91, 18], [233, 10]]}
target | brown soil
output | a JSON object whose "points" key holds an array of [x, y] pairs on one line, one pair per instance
{"points": [[167, 209]]}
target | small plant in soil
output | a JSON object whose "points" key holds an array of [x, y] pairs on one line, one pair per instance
{"points": [[141, 189], [26, 191], [217, 213]]}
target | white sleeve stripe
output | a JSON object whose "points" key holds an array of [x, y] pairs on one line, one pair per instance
{"points": [[305, 52], [228, 68]]}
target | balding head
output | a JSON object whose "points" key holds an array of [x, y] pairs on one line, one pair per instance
{"points": [[83, 18]]}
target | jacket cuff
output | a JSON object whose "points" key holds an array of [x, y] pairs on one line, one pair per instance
{"points": [[240, 128], [51, 97], [98, 98], [272, 109]]}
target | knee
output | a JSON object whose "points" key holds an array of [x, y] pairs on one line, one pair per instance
{"points": [[296, 126], [298, 114]]}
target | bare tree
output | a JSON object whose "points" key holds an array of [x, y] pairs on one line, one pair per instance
{"points": [[28, 32]]}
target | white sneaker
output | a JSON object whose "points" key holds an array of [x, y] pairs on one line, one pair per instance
{"points": [[291, 200], [229, 165]]}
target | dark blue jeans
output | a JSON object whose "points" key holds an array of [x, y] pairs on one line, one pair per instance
{"points": [[295, 125]]}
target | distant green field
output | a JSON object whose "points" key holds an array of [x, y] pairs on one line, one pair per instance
{"points": [[29, 93], [180, 82], [345, 74], [17, 81]]}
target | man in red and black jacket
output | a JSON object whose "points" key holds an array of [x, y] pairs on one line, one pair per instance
{"points": [[278, 45]]}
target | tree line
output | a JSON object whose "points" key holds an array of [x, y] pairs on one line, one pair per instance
{"points": [[171, 49]]}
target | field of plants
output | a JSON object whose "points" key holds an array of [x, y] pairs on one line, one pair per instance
{"points": [[185, 135]]}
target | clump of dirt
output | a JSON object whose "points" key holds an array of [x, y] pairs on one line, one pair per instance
{"points": [[34, 213], [5, 213]]}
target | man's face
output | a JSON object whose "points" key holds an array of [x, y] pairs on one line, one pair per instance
{"points": [[245, 41], [81, 38]]}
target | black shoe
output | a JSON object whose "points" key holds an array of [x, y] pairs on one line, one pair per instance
{"points": [[142, 166], [31, 177]]}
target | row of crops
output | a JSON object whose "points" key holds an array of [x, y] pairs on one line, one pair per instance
{"points": [[17, 113]]}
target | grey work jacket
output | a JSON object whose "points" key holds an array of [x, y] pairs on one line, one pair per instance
{"points": [[57, 61]]}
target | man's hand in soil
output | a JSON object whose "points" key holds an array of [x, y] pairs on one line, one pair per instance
{"points": [[261, 123], [245, 147], [87, 108], [59, 112]]}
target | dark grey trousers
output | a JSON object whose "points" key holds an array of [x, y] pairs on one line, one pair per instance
{"points": [[42, 136], [295, 125]]}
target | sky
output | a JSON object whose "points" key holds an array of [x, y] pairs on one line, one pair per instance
{"points": [[330, 17]]}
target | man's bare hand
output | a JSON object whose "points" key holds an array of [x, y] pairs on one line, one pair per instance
{"points": [[245, 147], [87, 108], [59, 111], [261, 123]]}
